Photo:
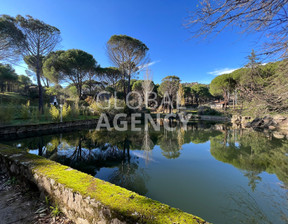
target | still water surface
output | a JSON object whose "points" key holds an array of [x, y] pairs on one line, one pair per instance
{"points": [[221, 175]]}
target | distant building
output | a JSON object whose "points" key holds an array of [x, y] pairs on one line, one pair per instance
{"points": [[216, 104], [189, 84], [54, 101]]}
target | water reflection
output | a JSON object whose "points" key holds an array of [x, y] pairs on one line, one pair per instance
{"points": [[249, 151], [143, 161], [252, 152]]}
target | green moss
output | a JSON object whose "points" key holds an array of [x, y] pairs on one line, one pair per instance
{"points": [[123, 202]]}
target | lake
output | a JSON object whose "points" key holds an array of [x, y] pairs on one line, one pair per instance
{"points": [[212, 171]]}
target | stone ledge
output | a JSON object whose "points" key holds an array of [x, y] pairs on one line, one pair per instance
{"points": [[46, 127], [86, 199]]}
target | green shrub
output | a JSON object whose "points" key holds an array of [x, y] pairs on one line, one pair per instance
{"points": [[35, 115], [55, 211], [47, 115], [127, 110], [204, 110], [6, 114], [55, 113], [84, 103], [75, 111], [33, 93], [25, 110], [85, 111], [120, 95], [66, 110]]}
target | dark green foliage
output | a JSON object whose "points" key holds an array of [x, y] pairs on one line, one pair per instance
{"points": [[51, 67], [6, 114], [222, 85], [137, 86], [72, 65], [127, 110], [200, 92], [110, 75], [208, 111], [8, 77], [24, 82]]}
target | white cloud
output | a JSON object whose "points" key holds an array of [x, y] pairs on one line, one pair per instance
{"points": [[148, 64], [222, 71]]}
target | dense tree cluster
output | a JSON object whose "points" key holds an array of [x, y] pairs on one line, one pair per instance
{"points": [[10, 81], [34, 41], [261, 87]]}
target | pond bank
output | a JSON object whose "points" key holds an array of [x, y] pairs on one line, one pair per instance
{"points": [[86, 199], [20, 130], [278, 124], [49, 127]]}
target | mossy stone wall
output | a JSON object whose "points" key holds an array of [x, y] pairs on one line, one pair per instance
{"points": [[85, 199]]}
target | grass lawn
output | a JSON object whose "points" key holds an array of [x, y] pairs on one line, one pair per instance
{"points": [[42, 120], [7, 98]]}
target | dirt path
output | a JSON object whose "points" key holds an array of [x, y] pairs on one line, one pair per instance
{"points": [[19, 205]]}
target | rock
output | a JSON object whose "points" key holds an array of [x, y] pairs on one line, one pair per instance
{"points": [[257, 123], [245, 119], [247, 125], [283, 125], [271, 127], [278, 135], [280, 117], [81, 221], [116, 221]]}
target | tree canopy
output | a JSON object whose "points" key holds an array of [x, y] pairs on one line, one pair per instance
{"points": [[201, 93], [11, 39], [261, 87], [128, 54], [7, 75], [38, 39], [168, 90], [110, 75], [72, 65]]}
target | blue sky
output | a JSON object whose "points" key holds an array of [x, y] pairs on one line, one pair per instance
{"points": [[88, 25]]}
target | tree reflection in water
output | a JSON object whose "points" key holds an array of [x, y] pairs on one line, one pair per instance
{"points": [[90, 150], [253, 153], [147, 145]]}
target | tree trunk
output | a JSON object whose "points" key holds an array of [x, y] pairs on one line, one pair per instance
{"points": [[124, 87], [80, 91], [90, 87], [38, 75], [170, 106], [129, 86], [38, 72]]}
